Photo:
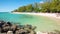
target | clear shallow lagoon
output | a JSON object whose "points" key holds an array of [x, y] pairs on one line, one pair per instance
{"points": [[42, 23]]}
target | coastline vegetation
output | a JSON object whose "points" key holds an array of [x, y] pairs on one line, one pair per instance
{"points": [[50, 6]]}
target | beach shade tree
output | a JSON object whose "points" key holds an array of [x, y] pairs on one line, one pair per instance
{"points": [[15, 10], [53, 6], [58, 8], [56, 5], [29, 8], [45, 7], [49, 6], [21, 9], [36, 7]]}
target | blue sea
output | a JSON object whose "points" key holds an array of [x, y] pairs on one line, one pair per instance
{"points": [[15, 18], [42, 23]]}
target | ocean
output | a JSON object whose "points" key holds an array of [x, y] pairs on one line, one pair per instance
{"points": [[42, 23]]}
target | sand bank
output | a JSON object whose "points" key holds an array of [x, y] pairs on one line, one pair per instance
{"points": [[54, 15]]}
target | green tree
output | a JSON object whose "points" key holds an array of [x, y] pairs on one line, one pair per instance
{"points": [[50, 6], [36, 7], [29, 8], [53, 6], [21, 9], [45, 7]]}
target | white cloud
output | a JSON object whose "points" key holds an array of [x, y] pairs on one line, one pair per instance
{"points": [[41, 1]]}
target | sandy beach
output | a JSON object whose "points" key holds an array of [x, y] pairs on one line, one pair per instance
{"points": [[53, 15]]}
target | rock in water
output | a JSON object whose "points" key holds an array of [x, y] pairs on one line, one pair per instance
{"points": [[9, 23]]}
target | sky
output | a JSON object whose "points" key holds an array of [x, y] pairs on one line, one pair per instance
{"points": [[10, 5]]}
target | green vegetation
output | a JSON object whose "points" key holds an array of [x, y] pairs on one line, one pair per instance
{"points": [[50, 6]]}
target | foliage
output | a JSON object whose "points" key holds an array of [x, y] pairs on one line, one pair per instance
{"points": [[50, 6], [29, 8], [21, 9]]}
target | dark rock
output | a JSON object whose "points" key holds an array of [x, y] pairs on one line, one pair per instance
{"points": [[9, 23], [7, 27], [1, 23], [13, 28], [28, 26], [21, 31]]}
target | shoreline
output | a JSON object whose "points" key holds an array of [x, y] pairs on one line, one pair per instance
{"points": [[53, 15], [49, 15]]}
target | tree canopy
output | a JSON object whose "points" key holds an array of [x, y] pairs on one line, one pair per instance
{"points": [[50, 6]]}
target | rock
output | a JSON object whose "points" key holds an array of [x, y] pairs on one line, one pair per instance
{"points": [[2, 33], [1, 23], [0, 30], [34, 27], [5, 25], [9, 23], [5, 29], [21, 31], [13, 28], [10, 32], [32, 32], [28, 26]]}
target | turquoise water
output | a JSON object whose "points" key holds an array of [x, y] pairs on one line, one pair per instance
{"points": [[43, 23]]}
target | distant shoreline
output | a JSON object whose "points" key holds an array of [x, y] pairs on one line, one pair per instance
{"points": [[54, 15]]}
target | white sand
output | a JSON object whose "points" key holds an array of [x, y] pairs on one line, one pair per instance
{"points": [[54, 15]]}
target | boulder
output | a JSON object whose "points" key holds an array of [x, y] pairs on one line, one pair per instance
{"points": [[9, 28], [32, 32], [1, 23], [9, 23], [21, 31], [5, 29], [13, 28], [10, 32]]}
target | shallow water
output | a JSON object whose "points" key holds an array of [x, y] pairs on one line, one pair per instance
{"points": [[44, 24]]}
